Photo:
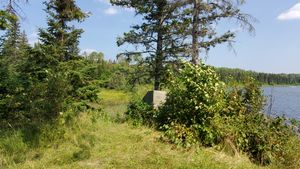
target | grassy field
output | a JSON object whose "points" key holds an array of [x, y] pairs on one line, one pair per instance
{"points": [[98, 140]]}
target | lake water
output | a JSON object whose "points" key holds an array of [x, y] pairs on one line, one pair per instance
{"points": [[283, 101]]}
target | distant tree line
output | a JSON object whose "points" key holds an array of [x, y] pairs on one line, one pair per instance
{"points": [[239, 75]]}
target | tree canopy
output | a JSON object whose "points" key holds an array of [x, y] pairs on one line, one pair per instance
{"points": [[174, 30], [60, 39]]}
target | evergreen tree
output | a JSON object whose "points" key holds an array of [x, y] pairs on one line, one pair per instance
{"points": [[61, 40], [14, 45], [5, 19], [155, 36], [203, 17], [10, 40], [24, 46], [9, 15], [14, 50]]}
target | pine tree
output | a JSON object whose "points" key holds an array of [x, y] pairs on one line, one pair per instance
{"points": [[204, 16], [155, 36], [61, 40]]}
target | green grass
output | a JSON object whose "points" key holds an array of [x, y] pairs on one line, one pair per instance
{"points": [[95, 140], [105, 144], [114, 102]]}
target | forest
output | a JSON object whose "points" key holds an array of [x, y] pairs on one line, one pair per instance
{"points": [[60, 108], [228, 74]]}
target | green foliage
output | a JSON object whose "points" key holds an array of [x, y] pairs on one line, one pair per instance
{"points": [[82, 154], [139, 112], [291, 154], [155, 36], [196, 96], [13, 147], [13, 53], [239, 75], [83, 93], [84, 142], [199, 21], [44, 91], [295, 124], [37, 85], [262, 137], [6, 19], [247, 98], [61, 40], [200, 110], [110, 74], [41, 88], [180, 134], [119, 77], [44, 100]]}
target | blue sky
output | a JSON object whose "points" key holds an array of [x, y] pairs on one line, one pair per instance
{"points": [[275, 47]]}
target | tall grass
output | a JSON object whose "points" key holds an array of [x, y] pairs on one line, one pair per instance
{"points": [[105, 144], [95, 140]]}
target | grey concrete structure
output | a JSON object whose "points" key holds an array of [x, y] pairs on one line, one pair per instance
{"points": [[155, 98]]}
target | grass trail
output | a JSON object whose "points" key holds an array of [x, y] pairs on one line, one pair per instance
{"points": [[95, 141]]}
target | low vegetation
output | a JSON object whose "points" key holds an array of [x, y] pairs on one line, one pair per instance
{"points": [[200, 110], [99, 140], [63, 109], [103, 140]]}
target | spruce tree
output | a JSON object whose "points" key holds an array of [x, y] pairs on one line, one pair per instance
{"points": [[10, 40], [60, 39], [14, 51]]}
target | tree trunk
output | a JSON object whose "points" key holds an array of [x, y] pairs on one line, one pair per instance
{"points": [[159, 51], [158, 62], [195, 31], [61, 38]]}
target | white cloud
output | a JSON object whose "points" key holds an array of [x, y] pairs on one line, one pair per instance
{"points": [[111, 11], [87, 51], [291, 14]]}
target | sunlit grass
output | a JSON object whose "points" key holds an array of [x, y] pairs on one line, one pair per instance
{"points": [[114, 102], [105, 144], [95, 141]]}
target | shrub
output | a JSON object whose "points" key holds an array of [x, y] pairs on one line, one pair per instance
{"points": [[117, 81], [262, 138], [196, 96], [139, 112], [180, 134], [199, 109]]}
